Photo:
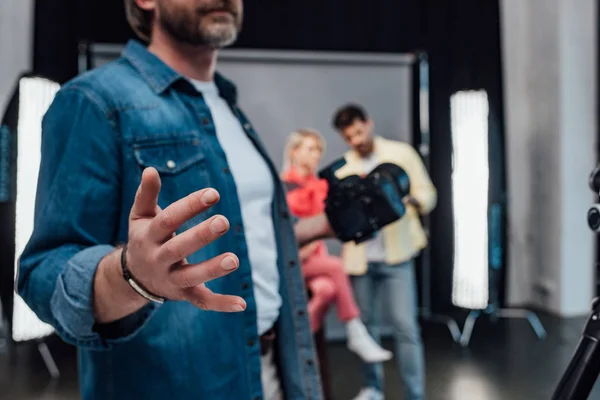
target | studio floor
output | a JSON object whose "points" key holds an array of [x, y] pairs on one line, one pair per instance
{"points": [[505, 361]]}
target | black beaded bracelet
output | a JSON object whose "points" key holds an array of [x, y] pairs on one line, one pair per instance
{"points": [[141, 290]]}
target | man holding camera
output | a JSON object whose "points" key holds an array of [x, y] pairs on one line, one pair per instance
{"points": [[382, 269], [147, 162]]}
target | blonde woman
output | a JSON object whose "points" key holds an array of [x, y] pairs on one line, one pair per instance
{"points": [[324, 273]]}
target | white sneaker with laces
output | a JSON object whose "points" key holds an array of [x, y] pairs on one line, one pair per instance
{"points": [[361, 343], [369, 394]]}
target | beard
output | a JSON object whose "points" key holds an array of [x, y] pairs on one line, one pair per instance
{"points": [[198, 27], [366, 148]]}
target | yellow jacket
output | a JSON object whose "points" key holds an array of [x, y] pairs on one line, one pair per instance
{"points": [[404, 238]]}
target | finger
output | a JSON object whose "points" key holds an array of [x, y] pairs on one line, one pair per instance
{"points": [[202, 297], [190, 275], [146, 197], [172, 217], [192, 240]]}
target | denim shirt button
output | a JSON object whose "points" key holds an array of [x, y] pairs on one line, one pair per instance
{"points": [[205, 121], [171, 164], [250, 342], [292, 263], [247, 126], [226, 170], [300, 313], [285, 215], [245, 286]]}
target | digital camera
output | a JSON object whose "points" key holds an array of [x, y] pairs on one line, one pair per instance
{"points": [[357, 207]]}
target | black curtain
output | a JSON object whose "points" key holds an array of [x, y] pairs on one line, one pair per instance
{"points": [[56, 35], [461, 38]]}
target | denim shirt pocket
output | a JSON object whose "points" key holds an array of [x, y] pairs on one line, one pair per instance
{"points": [[170, 155], [181, 163]]}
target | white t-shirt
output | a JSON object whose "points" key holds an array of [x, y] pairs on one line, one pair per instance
{"points": [[375, 246], [255, 189]]}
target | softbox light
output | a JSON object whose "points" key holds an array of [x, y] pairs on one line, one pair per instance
{"points": [[20, 147], [470, 177], [476, 221]]}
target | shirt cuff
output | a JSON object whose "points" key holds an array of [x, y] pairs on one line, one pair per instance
{"points": [[72, 304]]}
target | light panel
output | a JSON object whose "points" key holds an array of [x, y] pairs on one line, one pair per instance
{"points": [[470, 175], [35, 96]]}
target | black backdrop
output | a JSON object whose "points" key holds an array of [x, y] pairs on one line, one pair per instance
{"points": [[462, 38]]}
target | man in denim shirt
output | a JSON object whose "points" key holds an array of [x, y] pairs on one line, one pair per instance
{"points": [[162, 298]]}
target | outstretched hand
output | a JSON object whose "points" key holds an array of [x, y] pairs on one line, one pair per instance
{"points": [[156, 256]]}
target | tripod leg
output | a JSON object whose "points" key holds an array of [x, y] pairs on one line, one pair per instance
{"points": [[465, 338], [449, 322], [532, 317], [537, 326], [48, 360], [581, 374], [454, 329]]}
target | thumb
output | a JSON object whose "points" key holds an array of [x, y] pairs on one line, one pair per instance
{"points": [[146, 197]]}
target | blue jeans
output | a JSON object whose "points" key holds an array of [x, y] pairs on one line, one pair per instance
{"points": [[394, 289]]}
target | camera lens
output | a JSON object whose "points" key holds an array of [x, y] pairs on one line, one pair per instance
{"points": [[594, 218]]}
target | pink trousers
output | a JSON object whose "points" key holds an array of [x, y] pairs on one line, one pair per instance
{"points": [[328, 283]]}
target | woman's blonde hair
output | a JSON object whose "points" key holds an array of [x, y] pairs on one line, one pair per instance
{"points": [[140, 20], [294, 141]]}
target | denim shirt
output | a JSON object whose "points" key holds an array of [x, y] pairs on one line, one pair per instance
{"points": [[103, 128]]}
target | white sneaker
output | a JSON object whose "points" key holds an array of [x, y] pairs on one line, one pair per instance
{"points": [[361, 343], [369, 394]]}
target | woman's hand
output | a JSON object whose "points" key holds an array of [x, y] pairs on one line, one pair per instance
{"points": [[310, 229], [306, 251]]}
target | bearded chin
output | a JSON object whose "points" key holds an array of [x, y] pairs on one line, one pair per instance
{"points": [[218, 36], [215, 35]]}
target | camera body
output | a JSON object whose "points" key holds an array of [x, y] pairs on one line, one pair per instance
{"points": [[359, 207]]}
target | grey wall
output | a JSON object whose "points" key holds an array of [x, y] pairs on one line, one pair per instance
{"points": [[284, 91], [549, 51], [16, 44]]}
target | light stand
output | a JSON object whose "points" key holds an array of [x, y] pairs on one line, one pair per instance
{"points": [[493, 309], [421, 100], [582, 372], [479, 198], [495, 313]]}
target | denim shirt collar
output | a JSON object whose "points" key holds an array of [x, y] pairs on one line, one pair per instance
{"points": [[161, 77]]}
